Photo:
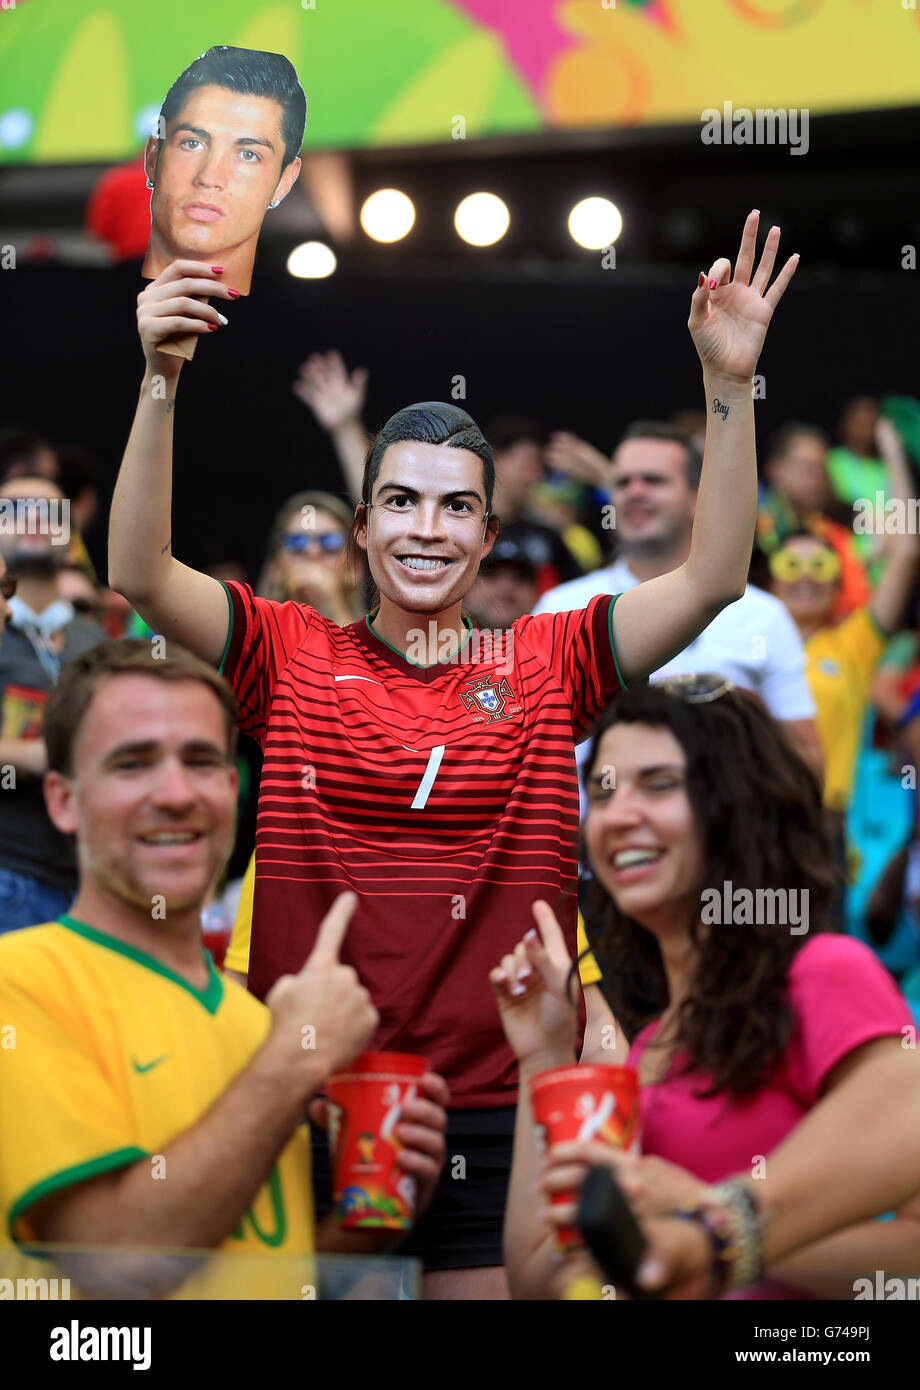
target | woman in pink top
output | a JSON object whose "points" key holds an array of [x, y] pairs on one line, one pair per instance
{"points": [[746, 1017]]}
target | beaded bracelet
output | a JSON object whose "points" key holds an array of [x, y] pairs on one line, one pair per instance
{"points": [[728, 1214], [739, 1197]]}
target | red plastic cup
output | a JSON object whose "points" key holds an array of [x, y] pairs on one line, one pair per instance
{"points": [[216, 931], [365, 1105], [581, 1104]]}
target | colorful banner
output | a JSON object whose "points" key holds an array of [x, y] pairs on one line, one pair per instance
{"points": [[82, 79]]}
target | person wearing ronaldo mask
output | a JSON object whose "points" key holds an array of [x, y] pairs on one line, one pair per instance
{"points": [[406, 759]]}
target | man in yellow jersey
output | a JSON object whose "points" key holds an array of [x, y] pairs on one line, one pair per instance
{"points": [[145, 1100]]}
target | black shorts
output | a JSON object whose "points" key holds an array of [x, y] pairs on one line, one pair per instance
{"points": [[462, 1227]]}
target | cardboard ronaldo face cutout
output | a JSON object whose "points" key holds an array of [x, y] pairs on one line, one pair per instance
{"points": [[226, 150]]}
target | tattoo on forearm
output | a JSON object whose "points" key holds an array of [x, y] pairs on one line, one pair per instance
{"points": [[719, 409], [166, 546], [170, 405]]}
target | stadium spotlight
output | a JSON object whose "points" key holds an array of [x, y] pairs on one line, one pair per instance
{"points": [[387, 215], [595, 223], [16, 126], [482, 219], [311, 260]]}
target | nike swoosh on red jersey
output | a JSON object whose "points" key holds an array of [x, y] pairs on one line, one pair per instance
{"points": [[370, 679]]}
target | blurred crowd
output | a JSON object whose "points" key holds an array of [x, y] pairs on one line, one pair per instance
{"points": [[826, 633]]}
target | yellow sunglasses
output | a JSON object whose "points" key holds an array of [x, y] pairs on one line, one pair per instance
{"points": [[789, 565]]}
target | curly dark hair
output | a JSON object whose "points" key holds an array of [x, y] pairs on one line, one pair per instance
{"points": [[759, 811]]}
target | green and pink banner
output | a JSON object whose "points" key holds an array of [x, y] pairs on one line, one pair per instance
{"points": [[80, 79]]}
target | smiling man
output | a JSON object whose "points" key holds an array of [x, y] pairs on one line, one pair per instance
{"points": [[654, 484], [133, 1059], [227, 146]]}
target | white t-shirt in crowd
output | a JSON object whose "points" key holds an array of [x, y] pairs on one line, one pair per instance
{"points": [[753, 641]]}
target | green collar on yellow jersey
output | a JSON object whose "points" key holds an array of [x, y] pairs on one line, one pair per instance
{"points": [[209, 997]]}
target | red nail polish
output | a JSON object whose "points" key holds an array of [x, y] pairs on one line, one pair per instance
{"points": [[712, 284], [217, 269], [234, 294], [702, 279], [213, 327]]}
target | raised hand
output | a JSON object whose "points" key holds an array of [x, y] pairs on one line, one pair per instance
{"points": [[334, 396], [168, 307], [531, 989], [566, 453], [729, 315], [323, 1016]]}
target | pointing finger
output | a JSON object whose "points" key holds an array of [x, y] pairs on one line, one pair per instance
{"points": [[550, 930], [332, 930]]}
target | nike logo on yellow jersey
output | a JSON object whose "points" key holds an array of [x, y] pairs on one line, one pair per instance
{"points": [[140, 1068]]}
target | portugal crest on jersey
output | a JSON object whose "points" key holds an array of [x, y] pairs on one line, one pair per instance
{"points": [[488, 700]]}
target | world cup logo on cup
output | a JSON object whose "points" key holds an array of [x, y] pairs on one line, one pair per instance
{"points": [[365, 1106]]}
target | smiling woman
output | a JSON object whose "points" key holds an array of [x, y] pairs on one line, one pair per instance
{"points": [[226, 149], [748, 1036]]}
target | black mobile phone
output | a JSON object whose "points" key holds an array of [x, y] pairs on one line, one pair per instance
{"points": [[611, 1232]]}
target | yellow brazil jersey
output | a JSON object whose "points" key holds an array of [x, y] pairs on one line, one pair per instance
{"points": [[588, 968], [237, 957], [105, 1056], [841, 661]]}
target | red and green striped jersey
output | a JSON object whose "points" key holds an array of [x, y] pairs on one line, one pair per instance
{"points": [[445, 796]]}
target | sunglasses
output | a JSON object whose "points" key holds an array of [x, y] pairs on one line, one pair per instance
{"points": [[8, 585], [330, 543], [821, 565], [695, 689]]}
